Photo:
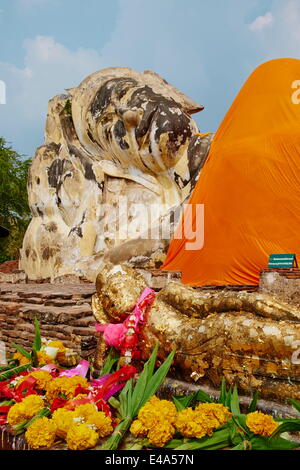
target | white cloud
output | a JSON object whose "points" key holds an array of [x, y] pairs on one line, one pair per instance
{"points": [[283, 39], [49, 67], [261, 22]]}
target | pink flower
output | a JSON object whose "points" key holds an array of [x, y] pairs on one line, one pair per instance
{"points": [[114, 334]]}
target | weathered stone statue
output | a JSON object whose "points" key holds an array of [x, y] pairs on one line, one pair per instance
{"points": [[118, 144], [248, 338]]}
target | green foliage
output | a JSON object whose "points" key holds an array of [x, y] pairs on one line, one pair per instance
{"points": [[295, 404], [110, 362], [235, 434], [22, 351], [14, 209], [133, 397], [37, 343], [182, 402], [14, 371]]}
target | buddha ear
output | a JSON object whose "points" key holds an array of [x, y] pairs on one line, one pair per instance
{"points": [[131, 118]]}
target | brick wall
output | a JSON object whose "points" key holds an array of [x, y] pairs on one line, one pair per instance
{"points": [[64, 312]]}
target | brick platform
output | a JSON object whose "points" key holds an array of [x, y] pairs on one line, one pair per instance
{"points": [[64, 312]]}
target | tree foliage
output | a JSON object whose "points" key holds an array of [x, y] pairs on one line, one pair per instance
{"points": [[14, 209]]}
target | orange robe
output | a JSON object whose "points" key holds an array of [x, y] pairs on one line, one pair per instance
{"points": [[250, 183]]}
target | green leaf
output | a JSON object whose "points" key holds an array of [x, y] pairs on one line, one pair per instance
{"points": [[240, 421], [15, 371], [20, 428], [173, 444], [182, 402], [4, 368], [218, 440], [143, 380], [240, 446], [203, 397], [295, 403], [123, 398], [228, 398], [111, 360], [264, 443], [34, 358], [155, 381], [234, 402], [253, 404], [289, 425], [7, 403], [223, 393], [22, 351], [37, 343]]}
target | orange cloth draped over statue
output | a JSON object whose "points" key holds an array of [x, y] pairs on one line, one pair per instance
{"points": [[249, 185]]}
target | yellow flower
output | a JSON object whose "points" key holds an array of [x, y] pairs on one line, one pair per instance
{"points": [[43, 358], [90, 415], [22, 359], [43, 377], [81, 437], [189, 426], [155, 410], [65, 386], [260, 423], [61, 354], [16, 414], [138, 429], [161, 433], [203, 420], [41, 433], [216, 413], [63, 420], [101, 422], [155, 420], [25, 410], [85, 410]]}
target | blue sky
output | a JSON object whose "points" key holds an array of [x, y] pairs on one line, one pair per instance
{"points": [[205, 48]]}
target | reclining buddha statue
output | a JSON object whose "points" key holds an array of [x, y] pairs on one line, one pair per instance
{"points": [[250, 339], [119, 143]]}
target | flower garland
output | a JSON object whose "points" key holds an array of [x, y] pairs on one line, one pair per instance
{"points": [[124, 336]]}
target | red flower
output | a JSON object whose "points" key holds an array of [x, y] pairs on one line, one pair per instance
{"points": [[57, 403]]}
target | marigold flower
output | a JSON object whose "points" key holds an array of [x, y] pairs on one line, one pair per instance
{"points": [[41, 433], [160, 434], [216, 412], [260, 423], [85, 410], [43, 377], [155, 420], [203, 420], [65, 386], [156, 410], [138, 429], [43, 358], [101, 422], [22, 359], [189, 424], [63, 420], [16, 414], [89, 414], [81, 437], [25, 410]]}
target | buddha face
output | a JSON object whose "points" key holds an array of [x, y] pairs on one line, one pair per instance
{"points": [[137, 121]]}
